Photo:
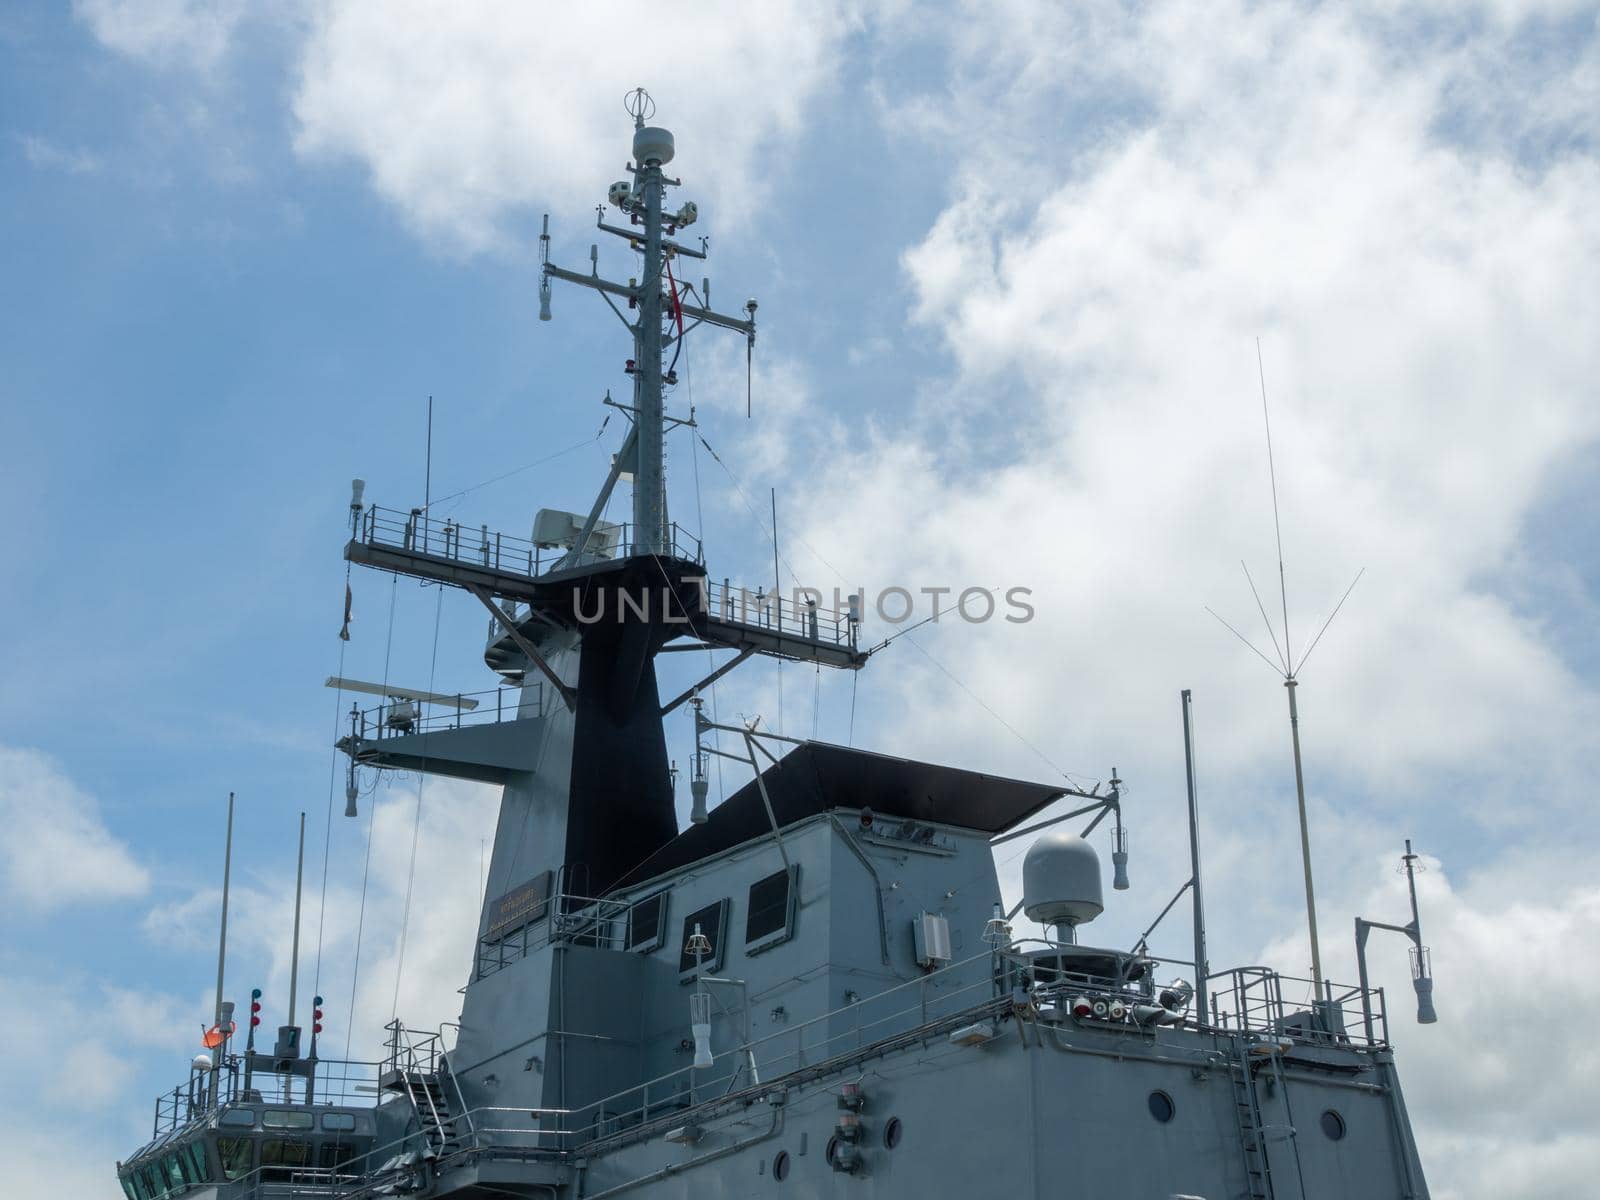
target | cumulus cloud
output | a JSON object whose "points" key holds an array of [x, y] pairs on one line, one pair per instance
{"points": [[465, 117], [76, 1044], [191, 33], [363, 916], [57, 851], [1138, 194]]}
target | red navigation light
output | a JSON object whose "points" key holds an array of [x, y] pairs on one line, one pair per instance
{"points": [[255, 1007], [316, 1014]]}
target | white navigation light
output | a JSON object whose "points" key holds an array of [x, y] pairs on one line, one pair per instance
{"points": [[699, 786], [700, 1026], [1119, 859], [358, 489], [1422, 981], [620, 194], [544, 299]]}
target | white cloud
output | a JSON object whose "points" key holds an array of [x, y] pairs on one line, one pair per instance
{"points": [[1505, 965], [48, 156], [193, 33], [78, 1047], [1137, 195], [57, 851], [467, 116], [456, 821]]}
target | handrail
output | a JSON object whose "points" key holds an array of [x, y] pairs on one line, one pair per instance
{"points": [[400, 717], [456, 541]]}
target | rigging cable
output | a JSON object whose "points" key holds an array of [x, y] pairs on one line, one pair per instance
{"points": [[416, 820], [372, 813], [538, 462], [841, 577], [700, 532], [333, 775]]}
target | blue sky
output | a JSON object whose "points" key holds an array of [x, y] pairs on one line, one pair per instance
{"points": [[1012, 264]]}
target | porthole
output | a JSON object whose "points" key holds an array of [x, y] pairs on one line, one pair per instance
{"points": [[1333, 1126], [833, 1148], [780, 1166], [891, 1133], [1161, 1107]]}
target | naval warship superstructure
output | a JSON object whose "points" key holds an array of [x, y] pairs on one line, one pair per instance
{"points": [[814, 988]]}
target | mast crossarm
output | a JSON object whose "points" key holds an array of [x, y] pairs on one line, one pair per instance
{"points": [[707, 681], [635, 235], [591, 281], [525, 646]]}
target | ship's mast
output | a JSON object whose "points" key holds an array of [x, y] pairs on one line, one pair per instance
{"points": [[643, 201], [650, 150]]}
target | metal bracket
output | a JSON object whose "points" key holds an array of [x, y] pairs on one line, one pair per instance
{"points": [[708, 680], [523, 644]]}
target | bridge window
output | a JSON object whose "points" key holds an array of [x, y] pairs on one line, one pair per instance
{"points": [[235, 1153], [286, 1118], [280, 1157], [198, 1162], [338, 1122], [712, 921], [238, 1116], [647, 923], [769, 918], [127, 1187]]}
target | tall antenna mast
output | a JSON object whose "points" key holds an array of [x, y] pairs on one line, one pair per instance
{"points": [[652, 148], [1289, 669], [222, 939], [294, 954], [643, 202]]}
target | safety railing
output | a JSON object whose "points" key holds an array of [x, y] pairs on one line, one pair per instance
{"points": [[327, 1081], [1253, 1000], [565, 918], [477, 545], [798, 615], [399, 717]]}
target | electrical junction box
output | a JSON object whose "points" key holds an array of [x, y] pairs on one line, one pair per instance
{"points": [[931, 934]]}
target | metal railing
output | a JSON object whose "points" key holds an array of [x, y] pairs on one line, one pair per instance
{"points": [[403, 718], [983, 989], [786, 616], [341, 1082], [478, 546], [567, 919], [1251, 1000]]}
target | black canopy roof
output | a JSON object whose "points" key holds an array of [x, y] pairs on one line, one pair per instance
{"points": [[815, 777]]}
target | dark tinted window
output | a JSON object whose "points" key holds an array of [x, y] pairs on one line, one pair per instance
{"points": [[646, 921], [767, 918], [235, 1155], [712, 920]]}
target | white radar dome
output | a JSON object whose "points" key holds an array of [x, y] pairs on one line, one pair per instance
{"points": [[652, 145], [1061, 881]]}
